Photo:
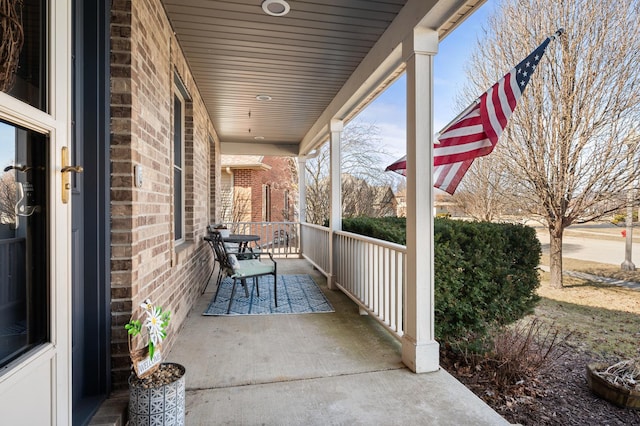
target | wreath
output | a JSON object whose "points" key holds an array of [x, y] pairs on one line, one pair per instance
{"points": [[11, 42]]}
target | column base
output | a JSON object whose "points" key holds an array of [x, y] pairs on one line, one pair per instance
{"points": [[420, 357], [628, 265], [331, 283]]}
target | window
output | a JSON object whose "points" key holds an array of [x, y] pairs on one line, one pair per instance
{"points": [[226, 198], [182, 152], [286, 216], [23, 71], [178, 167], [266, 203]]}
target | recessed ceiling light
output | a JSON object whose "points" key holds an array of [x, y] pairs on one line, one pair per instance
{"points": [[263, 97], [275, 7], [259, 138]]}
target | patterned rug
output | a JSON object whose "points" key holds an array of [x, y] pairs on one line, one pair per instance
{"points": [[297, 294]]}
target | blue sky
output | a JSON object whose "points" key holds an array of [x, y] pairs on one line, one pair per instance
{"points": [[388, 111], [7, 148]]}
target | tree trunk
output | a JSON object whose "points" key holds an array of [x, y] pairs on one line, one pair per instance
{"points": [[555, 255]]}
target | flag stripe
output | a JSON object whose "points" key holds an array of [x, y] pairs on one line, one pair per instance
{"points": [[452, 136], [476, 132], [448, 176], [455, 149], [458, 153]]}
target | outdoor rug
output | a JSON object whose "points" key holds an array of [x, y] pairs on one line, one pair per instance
{"points": [[297, 294]]}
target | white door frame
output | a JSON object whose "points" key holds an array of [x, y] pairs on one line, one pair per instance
{"points": [[36, 388]]}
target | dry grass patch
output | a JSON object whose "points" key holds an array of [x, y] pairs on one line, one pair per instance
{"points": [[604, 332], [589, 293], [604, 319]]}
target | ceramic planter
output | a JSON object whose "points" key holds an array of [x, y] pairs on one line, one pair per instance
{"points": [[160, 405]]}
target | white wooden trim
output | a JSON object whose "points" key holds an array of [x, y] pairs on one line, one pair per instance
{"points": [[380, 63], [419, 348], [43, 375]]}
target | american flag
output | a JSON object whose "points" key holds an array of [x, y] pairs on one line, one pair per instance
{"points": [[476, 130]]}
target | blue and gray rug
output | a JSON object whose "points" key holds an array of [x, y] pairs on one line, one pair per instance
{"points": [[297, 294]]}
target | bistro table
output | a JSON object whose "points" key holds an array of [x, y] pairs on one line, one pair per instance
{"points": [[242, 240]]}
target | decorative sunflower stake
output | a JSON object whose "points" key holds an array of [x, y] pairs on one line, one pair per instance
{"points": [[156, 322]]}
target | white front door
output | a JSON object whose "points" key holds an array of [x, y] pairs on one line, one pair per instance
{"points": [[35, 245]]}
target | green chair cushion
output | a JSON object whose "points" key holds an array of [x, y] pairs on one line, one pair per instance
{"points": [[251, 267]]}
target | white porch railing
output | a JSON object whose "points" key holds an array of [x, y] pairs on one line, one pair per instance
{"points": [[372, 273], [315, 246], [278, 238]]}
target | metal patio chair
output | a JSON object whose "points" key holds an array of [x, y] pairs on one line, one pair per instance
{"points": [[242, 269]]}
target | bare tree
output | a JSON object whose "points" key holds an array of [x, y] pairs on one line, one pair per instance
{"points": [[237, 206], [317, 189], [480, 194], [288, 213], [569, 150], [385, 202], [7, 198], [362, 157]]}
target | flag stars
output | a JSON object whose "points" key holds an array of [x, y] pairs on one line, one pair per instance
{"points": [[479, 127]]}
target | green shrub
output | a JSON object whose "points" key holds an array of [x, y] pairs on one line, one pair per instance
{"points": [[393, 229], [485, 273]]}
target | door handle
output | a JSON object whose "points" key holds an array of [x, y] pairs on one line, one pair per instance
{"points": [[65, 170], [75, 169], [18, 167]]}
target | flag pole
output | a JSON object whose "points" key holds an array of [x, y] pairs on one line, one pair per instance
{"points": [[557, 34]]}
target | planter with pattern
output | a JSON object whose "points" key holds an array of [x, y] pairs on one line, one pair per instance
{"points": [[158, 399]]}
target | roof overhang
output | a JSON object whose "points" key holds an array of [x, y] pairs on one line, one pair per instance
{"points": [[324, 60]]}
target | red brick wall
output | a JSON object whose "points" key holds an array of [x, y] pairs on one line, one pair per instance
{"points": [[146, 262], [280, 178]]}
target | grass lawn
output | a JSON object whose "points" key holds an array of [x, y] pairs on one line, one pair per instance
{"points": [[603, 319]]}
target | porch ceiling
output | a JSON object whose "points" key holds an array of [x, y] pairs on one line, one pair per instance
{"points": [[325, 59]]}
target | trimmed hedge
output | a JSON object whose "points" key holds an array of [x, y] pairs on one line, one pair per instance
{"points": [[393, 229], [485, 273]]}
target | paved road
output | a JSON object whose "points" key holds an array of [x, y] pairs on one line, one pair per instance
{"points": [[595, 250]]}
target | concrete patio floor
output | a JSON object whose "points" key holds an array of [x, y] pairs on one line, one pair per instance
{"points": [[311, 369]]}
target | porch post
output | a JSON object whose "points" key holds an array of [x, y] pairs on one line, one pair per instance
{"points": [[420, 351], [335, 220], [302, 197]]}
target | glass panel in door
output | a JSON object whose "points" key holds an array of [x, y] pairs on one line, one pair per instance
{"points": [[24, 282]]}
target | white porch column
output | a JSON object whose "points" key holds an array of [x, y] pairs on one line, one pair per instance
{"points": [[335, 220], [420, 351], [302, 196]]}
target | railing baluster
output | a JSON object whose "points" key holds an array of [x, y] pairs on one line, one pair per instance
{"points": [[371, 272]]}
